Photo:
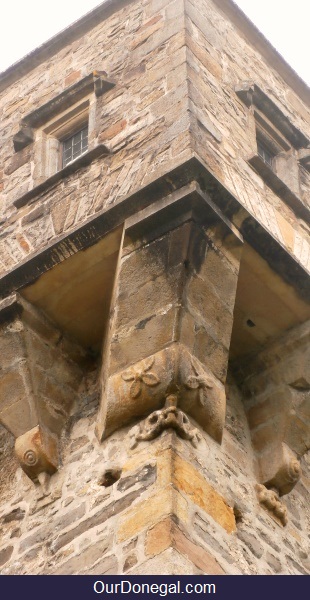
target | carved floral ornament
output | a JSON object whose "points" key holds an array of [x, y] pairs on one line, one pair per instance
{"points": [[143, 388], [140, 377]]}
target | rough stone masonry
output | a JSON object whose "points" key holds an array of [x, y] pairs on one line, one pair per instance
{"points": [[154, 298]]}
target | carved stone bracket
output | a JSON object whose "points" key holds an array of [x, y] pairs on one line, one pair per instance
{"points": [[39, 377], [269, 499], [169, 417], [277, 399], [37, 453], [143, 387], [287, 474], [172, 316]]}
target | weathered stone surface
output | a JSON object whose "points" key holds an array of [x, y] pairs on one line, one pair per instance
{"points": [[36, 453], [84, 560], [5, 555], [174, 131], [278, 401], [179, 291], [145, 513], [166, 534], [194, 485], [38, 386]]}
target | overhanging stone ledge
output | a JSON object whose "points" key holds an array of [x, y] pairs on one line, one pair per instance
{"points": [[165, 292], [193, 172]]}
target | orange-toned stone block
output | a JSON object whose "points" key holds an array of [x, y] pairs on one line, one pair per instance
{"points": [[146, 513], [188, 480], [159, 537]]}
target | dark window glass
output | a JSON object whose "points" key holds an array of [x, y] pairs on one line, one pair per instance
{"points": [[265, 154], [74, 146]]}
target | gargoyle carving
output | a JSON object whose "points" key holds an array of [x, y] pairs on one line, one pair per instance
{"points": [[269, 499], [141, 389], [168, 417]]}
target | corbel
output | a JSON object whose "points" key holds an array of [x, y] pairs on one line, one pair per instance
{"points": [[35, 403], [163, 316], [276, 386]]}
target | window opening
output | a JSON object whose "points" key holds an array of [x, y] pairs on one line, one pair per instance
{"points": [[265, 153], [74, 146]]}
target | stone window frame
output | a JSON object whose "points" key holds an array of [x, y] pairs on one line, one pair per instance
{"points": [[49, 139], [47, 127], [289, 147]]}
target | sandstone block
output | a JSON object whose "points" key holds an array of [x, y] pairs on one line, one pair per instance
{"points": [[190, 481], [5, 555], [169, 562], [85, 560], [167, 501], [167, 534]]}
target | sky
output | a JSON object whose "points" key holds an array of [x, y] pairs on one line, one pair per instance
{"points": [[26, 24]]}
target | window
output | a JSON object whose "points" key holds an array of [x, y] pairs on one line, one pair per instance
{"points": [[265, 153], [63, 133], [278, 148], [74, 146]]}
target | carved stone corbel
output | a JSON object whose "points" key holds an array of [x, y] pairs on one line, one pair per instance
{"points": [[171, 320], [37, 453], [269, 499], [276, 385], [39, 377], [143, 388]]}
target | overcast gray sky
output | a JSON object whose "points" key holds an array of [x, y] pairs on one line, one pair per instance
{"points": [[25, 24]]}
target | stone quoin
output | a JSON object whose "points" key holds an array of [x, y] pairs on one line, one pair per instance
{"points": [[155, 298]]}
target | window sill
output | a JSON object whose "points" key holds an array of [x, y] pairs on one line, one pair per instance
{"points": [[82, 161], [279, 187]]}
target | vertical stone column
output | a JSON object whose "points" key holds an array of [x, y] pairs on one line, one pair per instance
{"points": [[172, 319]]}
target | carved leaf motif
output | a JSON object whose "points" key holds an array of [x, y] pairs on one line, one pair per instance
{"points": [[148, 363], [192, 383], [128, 376], [135, 389], [150, 379]]}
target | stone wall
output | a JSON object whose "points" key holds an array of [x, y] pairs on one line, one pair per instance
{"points": [[151, 457], [175, 65], [162, 507], [142, 48]]}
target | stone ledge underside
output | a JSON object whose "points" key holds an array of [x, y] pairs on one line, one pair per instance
{"points": [[190, 180]]}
